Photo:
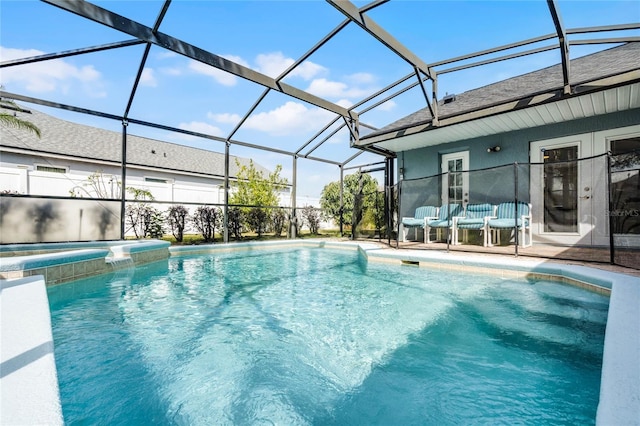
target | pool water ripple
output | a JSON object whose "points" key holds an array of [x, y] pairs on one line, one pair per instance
{"points": [[314, 336]]}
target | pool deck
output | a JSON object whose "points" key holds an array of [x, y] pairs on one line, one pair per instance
{"points": [[28, 376]]}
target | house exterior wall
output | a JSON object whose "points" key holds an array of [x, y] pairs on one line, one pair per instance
{"points": [[493, 175], [514, 145], [87, 219], [19, 174]]}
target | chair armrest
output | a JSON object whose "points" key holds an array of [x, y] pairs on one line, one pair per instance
{"points": [[428, 218], [526, 218]]}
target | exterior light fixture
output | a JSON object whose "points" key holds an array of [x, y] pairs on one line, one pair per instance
{"points": [[494, 148]]}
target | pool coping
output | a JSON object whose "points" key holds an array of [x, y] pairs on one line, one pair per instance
{"points": [[79, 260], [28, 377], [620, 378]]}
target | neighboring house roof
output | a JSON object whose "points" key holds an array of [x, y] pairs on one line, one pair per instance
{"points": [[61, 137], [535, 88]]}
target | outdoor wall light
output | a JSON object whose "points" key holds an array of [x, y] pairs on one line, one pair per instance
{"points": [[493, 149]]}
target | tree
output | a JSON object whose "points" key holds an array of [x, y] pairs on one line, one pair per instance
{"points": [[330, 197], [11, 120], [177, 218], [253, 189]]}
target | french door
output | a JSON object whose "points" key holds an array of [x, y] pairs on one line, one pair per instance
{"points": [[564, 203], [455, 184]]}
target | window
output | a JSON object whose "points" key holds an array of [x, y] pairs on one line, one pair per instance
{"points": [[156, 180], [625, 146], [51, 169]]}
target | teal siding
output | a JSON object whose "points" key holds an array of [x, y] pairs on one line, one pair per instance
{"points": [[514, 145]]}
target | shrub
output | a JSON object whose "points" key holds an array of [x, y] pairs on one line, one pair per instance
{"points": [[235, 222], [205, 220], [278, 220], [154, 222], [144, 220], [311, 217], [177, 218], [257, 220]]}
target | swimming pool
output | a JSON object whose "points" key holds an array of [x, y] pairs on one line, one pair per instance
{"points": [[317, 336]]}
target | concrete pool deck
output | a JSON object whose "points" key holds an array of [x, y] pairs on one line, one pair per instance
{"points": [[28, 376]]}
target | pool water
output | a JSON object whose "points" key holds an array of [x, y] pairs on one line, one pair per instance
{"points": [[320, 337]]}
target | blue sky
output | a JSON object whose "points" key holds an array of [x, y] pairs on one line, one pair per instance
{"points": [[267, 36]]}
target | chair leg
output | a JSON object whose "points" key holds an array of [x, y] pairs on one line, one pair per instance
{"points": [[488, 237], [524, 236]]}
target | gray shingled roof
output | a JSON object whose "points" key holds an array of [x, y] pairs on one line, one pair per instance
{"points": [[91, 143], [605, 63]]}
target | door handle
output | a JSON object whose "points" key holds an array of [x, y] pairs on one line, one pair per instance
{"points": [[585, 197]]}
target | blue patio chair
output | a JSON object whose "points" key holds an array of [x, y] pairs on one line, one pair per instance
{"points": [[475, 217], [443, 221], [506, 219], [418, 220]]}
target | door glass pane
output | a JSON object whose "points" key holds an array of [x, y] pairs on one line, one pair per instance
{"points": [[455, 181], [560, 189], [625, 186]]}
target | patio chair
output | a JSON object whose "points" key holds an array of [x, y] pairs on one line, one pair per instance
{"points": [[443, 221], [475, 218], [506, 219], [418, 220]]}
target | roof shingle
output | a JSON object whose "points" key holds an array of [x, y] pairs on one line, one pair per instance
{"points": [[91, 143]]}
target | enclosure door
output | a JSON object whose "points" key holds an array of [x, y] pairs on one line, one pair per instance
{"points": [[455, 184], [562, 193]]}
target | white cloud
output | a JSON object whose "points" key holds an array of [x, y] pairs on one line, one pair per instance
{"points": [[387, 106], [201, 127], [325, 88], [222, 77], [226, 118], [290, 118], [336, 89], [166, 54], [307, 70], [361, 78], [275, 63], [148, 78], [344, 103], [49, 76]]}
